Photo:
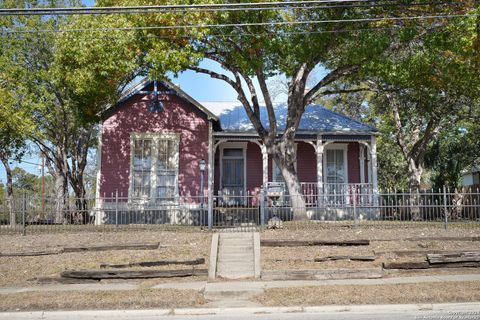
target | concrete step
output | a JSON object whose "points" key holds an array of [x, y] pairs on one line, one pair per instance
{"points": [[235, 256]]}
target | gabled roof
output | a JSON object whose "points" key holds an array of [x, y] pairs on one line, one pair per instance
{"points": [[147, 82], [316, 119]]}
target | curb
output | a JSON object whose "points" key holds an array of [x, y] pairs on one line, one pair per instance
{"points": [[141, 314]]}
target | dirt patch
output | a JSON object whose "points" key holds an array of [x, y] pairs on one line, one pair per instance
{"points": [[382, 238], [74, 300], [382, 230], [174, 245], [377, 294]]}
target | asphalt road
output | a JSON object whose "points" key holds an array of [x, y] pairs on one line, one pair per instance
{"points": [[461, 311]]}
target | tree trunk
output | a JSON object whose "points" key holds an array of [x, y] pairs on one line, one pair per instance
{"points": [[285, 158], [415, 175], [60, 197], [81, 213], [9, 200]]}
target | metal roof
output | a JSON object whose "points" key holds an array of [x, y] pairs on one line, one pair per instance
{"points": [[316, 119]]}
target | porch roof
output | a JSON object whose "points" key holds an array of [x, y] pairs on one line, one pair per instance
{"points": [[316, 119]]}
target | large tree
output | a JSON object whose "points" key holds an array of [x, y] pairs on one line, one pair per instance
{"points": [[253, 46], [64, 81]]}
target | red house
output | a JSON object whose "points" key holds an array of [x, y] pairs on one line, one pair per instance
{"points": [[158, 145]]}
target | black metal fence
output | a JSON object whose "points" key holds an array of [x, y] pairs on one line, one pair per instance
{"points": [[355, 206]]}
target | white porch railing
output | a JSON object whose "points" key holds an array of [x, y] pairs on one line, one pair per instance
{"points": [[337, 194]]}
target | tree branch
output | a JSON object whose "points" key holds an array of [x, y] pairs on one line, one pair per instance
{"points": [[268, 103], [329, 78]]}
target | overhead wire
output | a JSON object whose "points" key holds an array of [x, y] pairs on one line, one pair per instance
{"points": [[248, 24], [297, 5]]}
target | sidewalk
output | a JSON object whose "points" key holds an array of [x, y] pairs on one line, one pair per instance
{"points": [[241, 286], [465, 311]]}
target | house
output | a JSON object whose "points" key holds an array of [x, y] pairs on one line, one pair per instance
{"points": [[471, 178], [158, 147]]}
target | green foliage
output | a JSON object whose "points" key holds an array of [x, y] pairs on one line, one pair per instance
{"points": [[453, 152]]}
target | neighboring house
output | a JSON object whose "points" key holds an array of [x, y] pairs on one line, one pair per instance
{"points": [[471, 177], [151, 155]]}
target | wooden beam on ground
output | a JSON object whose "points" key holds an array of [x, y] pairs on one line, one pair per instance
{"points": [[54, 280], [406, 253], [432, 239], [32, 253], [108, 247], [327, 274], [456, 257], [351, 258], [304, 243], [426, 265], [153, 263], [406, 265], [132, 274]]}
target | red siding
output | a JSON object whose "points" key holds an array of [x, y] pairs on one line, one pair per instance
{"points": [[177, 117], [254, 168], [353, 162], [306, 162]]}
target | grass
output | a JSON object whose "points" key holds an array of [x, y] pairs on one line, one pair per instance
{"points": [[375, 294], [75, 300]]}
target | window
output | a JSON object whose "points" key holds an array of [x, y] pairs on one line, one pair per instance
{"points": [[154, 166], [335, 166]]}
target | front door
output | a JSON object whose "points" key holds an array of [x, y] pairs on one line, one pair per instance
{"points": [[233, 175], [336, 181]]}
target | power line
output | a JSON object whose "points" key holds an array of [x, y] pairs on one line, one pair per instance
{"points": [[299, 5], [227, 25], [179, 36]]}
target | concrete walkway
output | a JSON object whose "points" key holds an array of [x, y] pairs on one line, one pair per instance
{"points": [[465, 311], [241, 286]]}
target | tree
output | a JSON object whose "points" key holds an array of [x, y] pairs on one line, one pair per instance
{"points": [[64, 82], [15, 126], [251, 54], [454, 151]]}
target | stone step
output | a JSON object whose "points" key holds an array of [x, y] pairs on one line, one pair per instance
{"points": [[235, 256]]}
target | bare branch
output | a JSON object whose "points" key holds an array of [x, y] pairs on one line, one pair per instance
{"points": [[268, 102], [329, 78], [214, 75]]}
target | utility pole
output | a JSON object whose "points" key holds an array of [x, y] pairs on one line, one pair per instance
{"points": [[43, 183]]}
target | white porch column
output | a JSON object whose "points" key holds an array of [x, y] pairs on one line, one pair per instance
{"points": [[362, 162], [373, 151], [210, 176], [319, 153], [264, 165]]}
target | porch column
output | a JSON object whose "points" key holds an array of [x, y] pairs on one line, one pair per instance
{"points": [[373, 151], [362, 162], [210, 176], [264, 165], [319, 153]]}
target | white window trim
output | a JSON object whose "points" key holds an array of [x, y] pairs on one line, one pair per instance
{"points": [[274, 164], [336, 146], [235, 145], [153, 176]]}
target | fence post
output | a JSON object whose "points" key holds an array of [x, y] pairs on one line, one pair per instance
{"points": [[262, 209], [24, 210], [116, 208], [354, 196], [445, 207]]}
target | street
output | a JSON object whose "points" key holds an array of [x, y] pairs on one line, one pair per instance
{"points": [[460, 311]]}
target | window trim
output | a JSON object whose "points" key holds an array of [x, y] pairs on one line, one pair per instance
{"points": [[234, 145], [336, 146], [155, 137]]}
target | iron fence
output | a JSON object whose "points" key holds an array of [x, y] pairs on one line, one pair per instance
{"points": [[355, 205]]}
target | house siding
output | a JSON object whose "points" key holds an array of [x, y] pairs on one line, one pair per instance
{"points": [[178, 117], [353, 156]]}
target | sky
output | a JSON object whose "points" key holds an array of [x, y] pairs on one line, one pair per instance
{"points": [[200, 86]]}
